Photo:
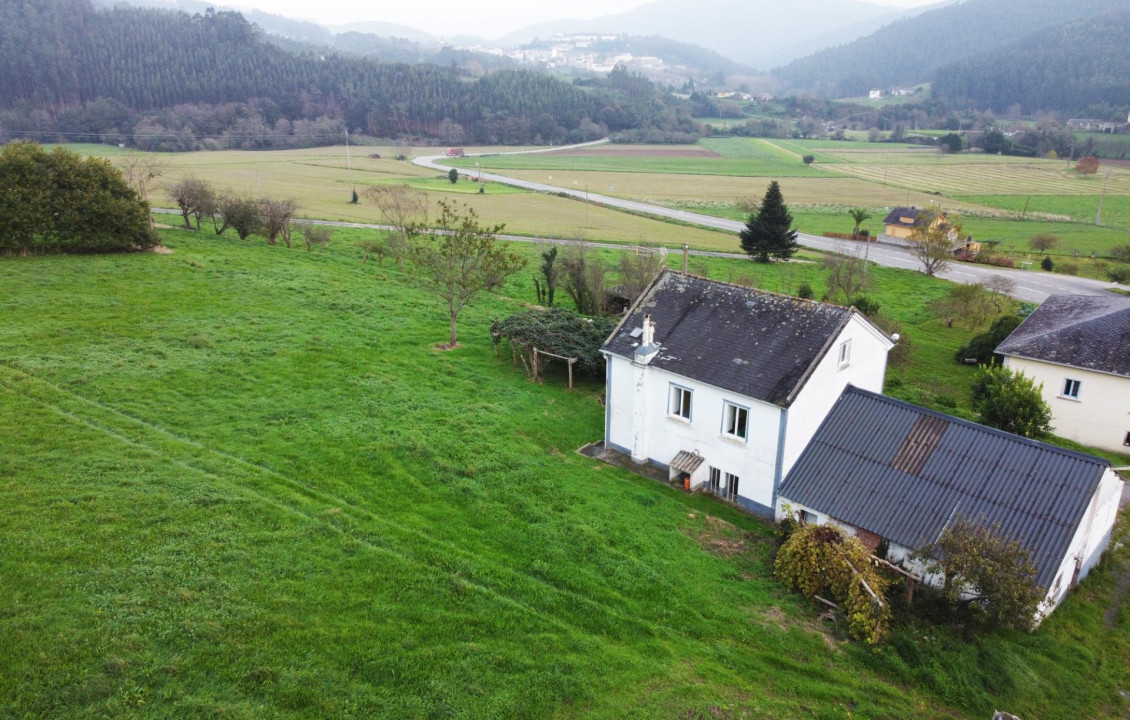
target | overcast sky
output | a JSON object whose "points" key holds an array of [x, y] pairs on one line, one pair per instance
{"points": [[488, 18]]}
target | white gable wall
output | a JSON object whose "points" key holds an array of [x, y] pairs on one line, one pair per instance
{"points": [[1099, 417], [866, 369], [660, 436]]}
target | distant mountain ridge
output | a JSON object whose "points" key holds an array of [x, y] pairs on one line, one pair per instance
{"points": [[760, 33], [1080, 67], [912, 49]]}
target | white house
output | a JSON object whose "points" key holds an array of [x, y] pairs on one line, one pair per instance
{"points": [[882, 469], [1078, 348], [724, 385]]}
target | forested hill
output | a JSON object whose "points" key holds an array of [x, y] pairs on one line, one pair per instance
{"points": [[1081, 66], [66, 66], [911, 50]]}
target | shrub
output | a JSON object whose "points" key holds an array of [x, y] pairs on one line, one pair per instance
{"points": [[1047, 263], [808, 159], [1122, 252], [981, 348], [559, 331], [1001, 261], [1068, 269], [805, 291], [865, 305], [1119, 275], [1010, 401], [58, 201], [821, 560]]}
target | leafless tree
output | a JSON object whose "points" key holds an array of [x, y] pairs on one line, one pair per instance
{"points": [[637, 270], [314, 235], [932, 241], [1043, 242], [140, 171], [584, 279], [1000, 288], [401, 207], [847, 274], [195, 198], [277, 216]]}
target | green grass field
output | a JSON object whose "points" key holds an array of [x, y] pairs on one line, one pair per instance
{"points": [[769, 164], [240, 481]]}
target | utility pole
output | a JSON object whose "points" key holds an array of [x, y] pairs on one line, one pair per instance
{"points": [[349, 167], [1099, 214], [686, 251]]}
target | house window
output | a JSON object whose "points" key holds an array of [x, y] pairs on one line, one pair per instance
{"points": [[1071, 389], [845, 353], [715, 481], [1126, 440], [730, 492], [735, 420], [680, 403], [804, 518]]}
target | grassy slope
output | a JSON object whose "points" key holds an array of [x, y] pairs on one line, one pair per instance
{"points": [[240, 482]]}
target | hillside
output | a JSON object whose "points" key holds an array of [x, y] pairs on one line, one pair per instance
{"points": [[1073, 68], [93, 71], [912, 49], [754, 33]]}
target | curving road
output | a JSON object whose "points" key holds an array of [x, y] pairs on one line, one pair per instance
{"points": [[1030, 286]]}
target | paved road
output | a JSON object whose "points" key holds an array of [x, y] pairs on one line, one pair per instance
{"points": [[1031, 286]]}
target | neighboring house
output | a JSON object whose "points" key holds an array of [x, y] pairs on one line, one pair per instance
{"points": [[874, 94], [901, 222], [1078, 347], [723, 385], [883, 469]]}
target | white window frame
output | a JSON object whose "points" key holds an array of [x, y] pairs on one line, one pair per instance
{"points": [[1071, 388], [675, 402], [730, 492], [715, 482], [845, 353], [730, 412]]}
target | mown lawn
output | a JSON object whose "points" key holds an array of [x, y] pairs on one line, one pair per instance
{"points": [[240, 481]]}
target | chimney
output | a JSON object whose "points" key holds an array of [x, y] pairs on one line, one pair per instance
{"points": [[647, 348]]}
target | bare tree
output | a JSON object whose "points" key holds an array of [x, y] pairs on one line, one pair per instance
{"points": [[140, 171], [401, 206], [847, 274], [1000, 288], [932, 240], [314, 235], [462, 259], [194, 197], [584, 278], [276, 216], [968, 305], [637, 270], [1043, 242]]}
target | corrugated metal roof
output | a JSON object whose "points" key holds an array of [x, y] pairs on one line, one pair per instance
{"points": [[755, 343], [1084, 331], [686, 461], [904, 472]]}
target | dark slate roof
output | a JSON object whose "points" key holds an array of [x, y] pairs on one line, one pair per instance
{"points": [[755, 343], [904, 472], [1084, 331], [897, 214]]}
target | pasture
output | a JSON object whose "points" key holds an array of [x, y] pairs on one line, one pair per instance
{"points": [[239, 481]]}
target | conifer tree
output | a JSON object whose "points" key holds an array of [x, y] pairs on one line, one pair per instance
{"points": [[769, 233]]}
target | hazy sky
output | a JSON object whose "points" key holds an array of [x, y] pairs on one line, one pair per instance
{"points": [[489, 18]]}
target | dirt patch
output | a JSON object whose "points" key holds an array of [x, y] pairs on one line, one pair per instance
{"points": [[683, 152], [161, 250], [718, 537]]}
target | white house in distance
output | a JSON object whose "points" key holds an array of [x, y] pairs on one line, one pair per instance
{"points": [[1078, 347], [883, 469], [724, 385]]}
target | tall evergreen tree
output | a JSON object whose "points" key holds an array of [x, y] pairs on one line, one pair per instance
{"points": [[769, 232]]}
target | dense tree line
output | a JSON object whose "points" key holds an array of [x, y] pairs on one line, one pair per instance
{"points": [[910, 50], [1074, 68], [65, 64]]}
